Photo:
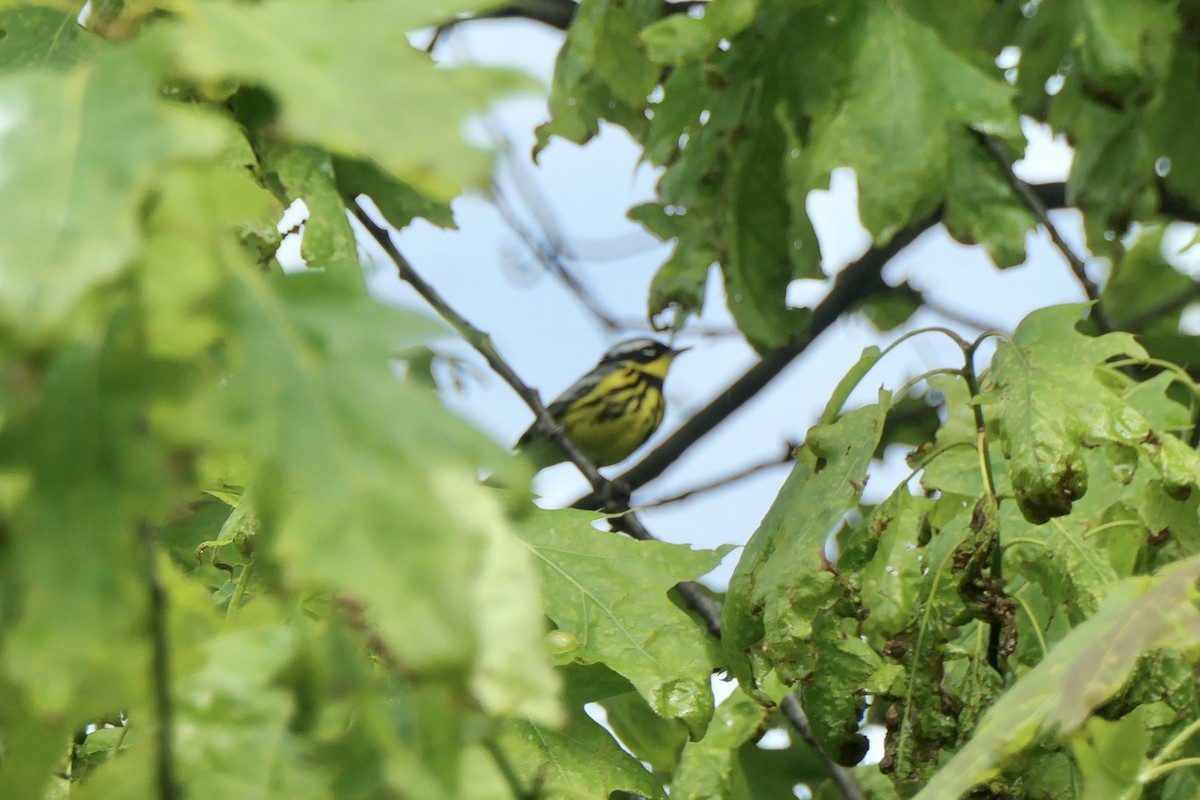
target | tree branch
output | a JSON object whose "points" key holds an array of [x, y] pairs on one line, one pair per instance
{"points": [[741, 474], [1034, 203], [557, 14], [793, 712]]}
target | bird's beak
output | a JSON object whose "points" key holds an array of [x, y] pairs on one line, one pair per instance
{"points": [[677, 350]]}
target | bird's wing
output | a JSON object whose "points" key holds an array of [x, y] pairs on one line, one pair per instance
{"points": [[559, 405]]}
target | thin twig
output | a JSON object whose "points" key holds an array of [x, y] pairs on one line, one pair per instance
{"points": [[959, 317], [1171, 304], [483, 344], [160, 669], [1034, 203], [793, 712], [741, 474], [552, 260]]}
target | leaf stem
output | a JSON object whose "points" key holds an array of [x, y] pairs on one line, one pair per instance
{"points": [[1037, 629], [1157, 772], [1170, 747], [903, 390], [989, 483], [239, 588]]}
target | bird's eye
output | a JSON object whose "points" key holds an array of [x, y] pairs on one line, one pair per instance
{"points": [[649, 352]]}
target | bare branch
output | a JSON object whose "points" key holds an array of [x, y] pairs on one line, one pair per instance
{"points": [[742, 474], [556, 14], [961, 318], [1168, 306], [1034, 203]]}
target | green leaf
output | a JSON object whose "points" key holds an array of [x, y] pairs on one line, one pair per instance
{"points": [[1178, 108], [890, 97], [834, 699], [679, 38], [235, 736], [757, 263], [981, 207], [1082, 671], [654, 740], [367, 485], [1142, 281], [331, 95], [42, 37], [73, 562], [601, 72], [892, 580], [580, 762], [781, 580], [1048, 399], [679, 284], [92, 141], [1110, 756], [398, 201], [327, 241], [1124, 47], [610, 593], [196, 218], [711, 767]]}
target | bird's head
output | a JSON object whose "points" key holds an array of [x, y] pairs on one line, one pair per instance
{"points": [[644, 354]]}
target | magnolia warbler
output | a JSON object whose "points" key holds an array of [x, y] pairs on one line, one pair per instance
{"points": [[611, 411]]}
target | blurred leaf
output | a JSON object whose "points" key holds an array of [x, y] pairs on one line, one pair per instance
{"points": [[1142, 280], [679, 284], [92, 141], [234, 736], [601, 72], [981, 206], [580, 762], [610, 593], [367, 485], [42, 37], [1124, 46], [891, 309], [1083, 670], [398, 201], [331, 96], [680, 38], [654, 740], [711, 767], [327, 241], [1110, 756]]}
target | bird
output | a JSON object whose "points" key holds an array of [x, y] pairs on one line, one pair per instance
{"points": [[611, 411]]}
